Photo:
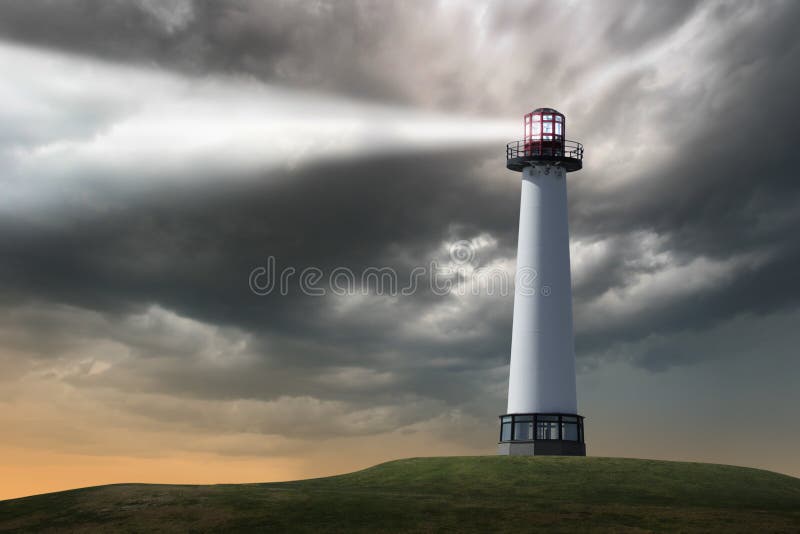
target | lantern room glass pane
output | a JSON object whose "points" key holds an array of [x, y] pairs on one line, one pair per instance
{"points": [[537, 128], [547, 117], [547, 127], [569, 431], [559, 118], [505, 434], [558, 128], [546, 430], [523, 431]]}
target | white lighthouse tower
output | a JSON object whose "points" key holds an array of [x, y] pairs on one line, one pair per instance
{"points": [[542, 415]]}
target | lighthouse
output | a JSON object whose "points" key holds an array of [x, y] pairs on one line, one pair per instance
{"points": [[542, 414]]}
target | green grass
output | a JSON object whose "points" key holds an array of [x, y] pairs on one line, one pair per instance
{"points": [[458, 494]]}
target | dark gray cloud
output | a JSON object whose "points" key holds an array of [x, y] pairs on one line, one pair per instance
{"points": [[428, 55], [729, 188], [638, 23], [324, 45]]}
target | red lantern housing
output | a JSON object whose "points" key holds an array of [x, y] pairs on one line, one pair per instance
{"points": [[544, 133], [544, 143]]}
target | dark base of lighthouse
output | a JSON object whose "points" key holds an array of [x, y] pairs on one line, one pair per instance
{"points": [[541, 434], [541, 448]]}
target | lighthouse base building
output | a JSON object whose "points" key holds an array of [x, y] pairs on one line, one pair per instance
{"points": [[542, 413]]}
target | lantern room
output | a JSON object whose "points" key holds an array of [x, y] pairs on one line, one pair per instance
{"points": [[545, 143], [544, 132]]}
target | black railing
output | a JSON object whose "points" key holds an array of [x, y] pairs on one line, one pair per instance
{"points": [[549, 149]]}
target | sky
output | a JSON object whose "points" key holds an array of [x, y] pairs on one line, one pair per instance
{"points": [[158, 158]]}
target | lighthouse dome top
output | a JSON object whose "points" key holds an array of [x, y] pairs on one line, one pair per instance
{"points": [[547, 110]]}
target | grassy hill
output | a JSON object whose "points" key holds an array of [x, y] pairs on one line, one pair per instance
{"points": [[458, 494]]}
